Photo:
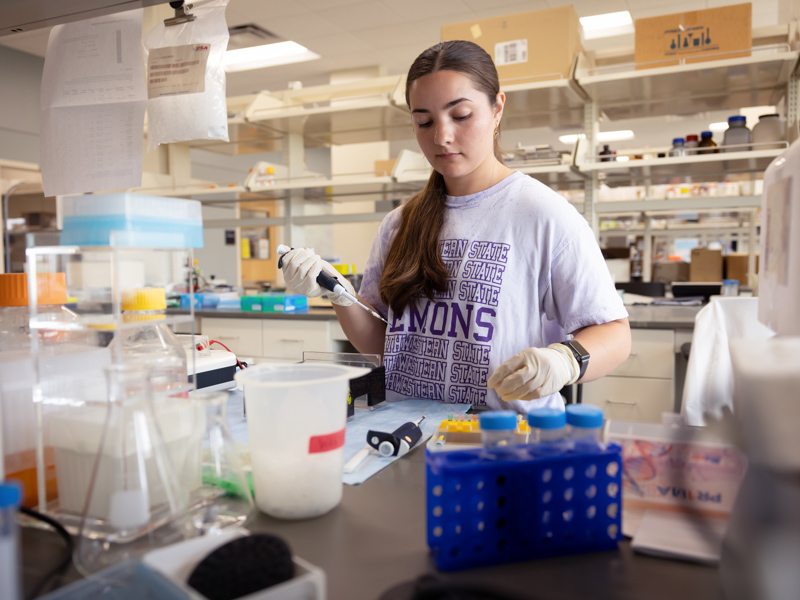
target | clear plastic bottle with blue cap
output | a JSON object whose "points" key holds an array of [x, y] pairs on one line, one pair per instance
{"points": [[585, 426], [10, 498], [548, 426], [498, 428]]}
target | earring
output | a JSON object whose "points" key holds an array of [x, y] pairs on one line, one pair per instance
{"points": [[496, 128]]}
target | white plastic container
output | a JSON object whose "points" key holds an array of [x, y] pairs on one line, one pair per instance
{"points": [[678, 147], [548, 425], [75, 436], [296, 416], [768, 129]]}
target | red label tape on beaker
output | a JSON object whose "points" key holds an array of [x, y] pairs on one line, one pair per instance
{"points": [[326, 443]]}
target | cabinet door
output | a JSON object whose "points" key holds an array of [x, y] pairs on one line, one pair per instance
{"points": [[242, 336], [652, 354], [639, 399], [289, 338]]}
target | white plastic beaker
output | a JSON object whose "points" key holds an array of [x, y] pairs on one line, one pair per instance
{"points": [[296, 417]]}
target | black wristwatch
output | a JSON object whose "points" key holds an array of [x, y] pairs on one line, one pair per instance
{"points": [[580, 354]]}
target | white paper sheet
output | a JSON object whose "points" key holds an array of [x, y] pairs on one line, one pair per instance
{"points": [[93, 100]]}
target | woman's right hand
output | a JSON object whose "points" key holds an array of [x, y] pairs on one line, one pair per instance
{"points": [[300, 269]]}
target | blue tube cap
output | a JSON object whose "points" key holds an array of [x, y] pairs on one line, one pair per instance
{"points": [[678, 140], [546, 418], [737, 119], [498, 420], [584, 415], [730, 281], [10, 494]]}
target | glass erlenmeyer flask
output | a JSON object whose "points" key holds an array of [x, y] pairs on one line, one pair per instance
{"points": [[135, 502], [224, 499]]}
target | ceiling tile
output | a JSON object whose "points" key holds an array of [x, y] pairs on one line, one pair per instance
{"points": [[335, 45], [300, 28], [588, 8], [416, 10], [419, 34], [500, 5], [360, 16], [266, 9], [510, 9]]}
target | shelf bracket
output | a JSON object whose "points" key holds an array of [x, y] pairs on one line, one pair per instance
{"points": [[592, 187]]}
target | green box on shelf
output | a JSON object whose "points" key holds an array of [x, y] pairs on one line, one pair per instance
{"points": [[274, 302]]}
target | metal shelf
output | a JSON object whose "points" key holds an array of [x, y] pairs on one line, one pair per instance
{"points": [[674, 205], [683, 169], [631, 91], [355, 112], [553, 103]]}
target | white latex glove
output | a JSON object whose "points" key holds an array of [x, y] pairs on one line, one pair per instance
{"points": [[535, 373], [300, 269]]}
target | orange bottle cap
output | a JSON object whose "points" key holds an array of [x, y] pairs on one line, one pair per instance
{"points": [[51, 289]]}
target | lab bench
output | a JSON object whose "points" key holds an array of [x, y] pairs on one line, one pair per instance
{"points": [[375, 541], [647, 384]]}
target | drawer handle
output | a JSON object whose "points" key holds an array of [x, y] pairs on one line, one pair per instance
{"points": [[288, 341], [634, 403], [223, 337], [632, 354]]}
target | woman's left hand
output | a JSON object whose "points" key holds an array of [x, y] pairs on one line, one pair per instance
{"points": [[535, 373]]}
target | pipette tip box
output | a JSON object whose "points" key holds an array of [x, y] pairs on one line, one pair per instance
{"points": [[524, 505]]}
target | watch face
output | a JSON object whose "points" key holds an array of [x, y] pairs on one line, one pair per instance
{"points": [[579, 350]]}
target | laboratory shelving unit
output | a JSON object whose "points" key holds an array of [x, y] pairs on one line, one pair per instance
{"points": [[374, 110]]}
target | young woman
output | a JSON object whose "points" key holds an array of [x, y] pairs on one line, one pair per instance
{"points": [[484, 273]]}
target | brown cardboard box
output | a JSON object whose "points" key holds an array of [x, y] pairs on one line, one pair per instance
{"points": [[735, 267], [697, 35], [671, 271], [536, 45], [706, 265], [384, 167]]}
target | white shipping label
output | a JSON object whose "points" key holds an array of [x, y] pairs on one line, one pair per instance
{"points": [[509, 53], [177, 70]]}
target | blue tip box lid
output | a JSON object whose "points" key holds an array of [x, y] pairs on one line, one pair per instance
{"points": [[10, 493], [499, 420], [546, 418], [584, 415]]}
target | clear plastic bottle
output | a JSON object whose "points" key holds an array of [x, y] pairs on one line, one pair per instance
{"points": [[706, 145], [678, 147], [548, 426], [730, 287], [737, 135], [147, 340], [497, 432], [10, 581], [585, 425], [17, 374], [51, 289]]}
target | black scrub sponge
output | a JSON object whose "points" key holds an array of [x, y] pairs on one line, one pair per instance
{"points": [[243, 566]]}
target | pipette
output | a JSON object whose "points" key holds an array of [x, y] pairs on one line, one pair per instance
{"points": [[332, 285]]}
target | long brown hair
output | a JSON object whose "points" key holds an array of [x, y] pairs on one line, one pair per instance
{"points": [[414, 266]]}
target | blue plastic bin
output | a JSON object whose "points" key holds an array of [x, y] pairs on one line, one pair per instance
{"points": [[484, 511]]}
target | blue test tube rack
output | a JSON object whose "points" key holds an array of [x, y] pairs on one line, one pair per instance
{"points": [[484, 511]]}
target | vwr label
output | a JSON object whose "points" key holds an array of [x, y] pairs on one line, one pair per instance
{"points": [[325, 443], [509, 53], [177, 70]]}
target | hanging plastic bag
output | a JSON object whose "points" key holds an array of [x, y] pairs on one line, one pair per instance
{"points": [[186, 78]]}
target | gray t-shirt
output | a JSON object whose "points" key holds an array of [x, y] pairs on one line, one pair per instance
{"points": [[525, 271]]}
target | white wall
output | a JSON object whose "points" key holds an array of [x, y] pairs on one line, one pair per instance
{"points": [[20, 79]]}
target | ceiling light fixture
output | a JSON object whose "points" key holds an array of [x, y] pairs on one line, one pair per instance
{"points": [[616, 23], [268, 55], [603, 136]]}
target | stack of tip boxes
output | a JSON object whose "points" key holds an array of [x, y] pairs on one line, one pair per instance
{"points": [[530, 503]]}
